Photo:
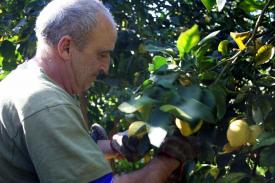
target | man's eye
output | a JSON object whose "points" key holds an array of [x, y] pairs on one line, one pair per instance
{"points": [[104, 55]]}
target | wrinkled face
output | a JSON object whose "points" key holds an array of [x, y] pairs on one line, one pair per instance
{"points": [[95, 56]]}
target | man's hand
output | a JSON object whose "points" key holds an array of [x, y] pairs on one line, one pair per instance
{"points": [[99, 135], [131, 147], [180, 148], [98, 132]]}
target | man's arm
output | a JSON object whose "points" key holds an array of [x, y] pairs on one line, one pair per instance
{"points": [[157, 171]]}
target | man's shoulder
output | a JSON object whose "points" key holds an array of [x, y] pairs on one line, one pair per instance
{"points": [[29, 90]]}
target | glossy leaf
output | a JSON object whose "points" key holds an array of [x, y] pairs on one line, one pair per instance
{"points": [[190, 110], [135, 103], [208, 4], [220, 97], [176, 111], [251, 5], [208, 98], [265, 139], [264, 54], [165, 80], [209, 36], [157, 135], [239, 38], [232, 178], [220, 4], [223, 47], [192, 91], [267, 157], [158, 62], [188, 39], [261, 107]]}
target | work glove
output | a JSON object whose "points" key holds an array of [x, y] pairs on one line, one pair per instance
{"points": [[181, 148], [97, 132], [131, 147]]}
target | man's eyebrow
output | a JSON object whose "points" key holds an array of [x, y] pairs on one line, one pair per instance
{"points": [[106, 51]]}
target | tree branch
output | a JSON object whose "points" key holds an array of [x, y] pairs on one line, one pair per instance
{"points": [[234, 58]]}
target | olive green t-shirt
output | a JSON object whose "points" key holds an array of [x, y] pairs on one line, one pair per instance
{"points": [[42, 136]]}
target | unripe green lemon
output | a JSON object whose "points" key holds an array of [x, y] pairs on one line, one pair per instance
{"points": [[255, 131], [138, 129], [238, 133], [185, 128], [214, 171]]}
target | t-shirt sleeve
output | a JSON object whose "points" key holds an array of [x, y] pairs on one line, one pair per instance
{"points": [[61, 149]]}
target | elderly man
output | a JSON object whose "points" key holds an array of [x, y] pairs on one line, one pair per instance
{"points": [[43, 138]]}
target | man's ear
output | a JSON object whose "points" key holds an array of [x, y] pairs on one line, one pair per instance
{"points": [[64, 47]]}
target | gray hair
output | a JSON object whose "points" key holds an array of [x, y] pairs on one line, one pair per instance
{"points": [[75, 18]]}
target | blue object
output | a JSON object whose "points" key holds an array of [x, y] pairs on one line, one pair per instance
{"points": [[105, 179]]}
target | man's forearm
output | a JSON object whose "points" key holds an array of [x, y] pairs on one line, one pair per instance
{"points": [[157, 171]]}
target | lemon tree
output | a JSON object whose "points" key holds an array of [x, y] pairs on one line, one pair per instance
{"points": [[227, 102]]}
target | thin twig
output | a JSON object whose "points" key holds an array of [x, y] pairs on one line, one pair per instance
{"points": [[234, 58]]}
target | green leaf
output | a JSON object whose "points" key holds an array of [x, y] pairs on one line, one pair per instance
{"points": [[266, 81], [208, 98], [267, 157], [232, 178], [135, 104], [251, 5], [208, 4], [209, 36], [188, 39], [7, 49], [239, 38], [260, 109], [146, 83], [264, 54], [154, 48], [157, 135], [208, 75], [223, 47], [159, 118], [190, 110], [220, 4], [198, 110], [165, 80], [258, 179], [265, 139], [176, 111], [158, 62], [192, 91], [220, 97]]}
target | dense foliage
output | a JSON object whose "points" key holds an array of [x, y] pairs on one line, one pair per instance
{"points": [[201, 61]]}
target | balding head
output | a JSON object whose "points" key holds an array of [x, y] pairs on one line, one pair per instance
{"points": [[74, 18]]}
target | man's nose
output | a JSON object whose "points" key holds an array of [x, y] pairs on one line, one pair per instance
{"points": [[105, 66]]}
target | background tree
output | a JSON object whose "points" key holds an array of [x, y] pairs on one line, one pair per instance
{"points": [[202, 63]]}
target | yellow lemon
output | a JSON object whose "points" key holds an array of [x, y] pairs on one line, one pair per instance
{"points": [[138, 129], [238, 133], [255, 131], [227, 148], [185, 128]]}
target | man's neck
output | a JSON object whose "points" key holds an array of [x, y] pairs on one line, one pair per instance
{"points": [[55, 68]]}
